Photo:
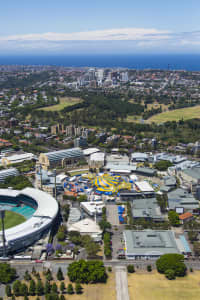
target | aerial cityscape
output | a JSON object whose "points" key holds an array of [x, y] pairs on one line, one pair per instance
{"points": [[100, 150]]}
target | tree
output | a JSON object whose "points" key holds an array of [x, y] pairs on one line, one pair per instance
{"points": [[26, 297], [60, 274], [23, 289], [92, 248], [27, 276], [47, 287], [62, 297], [192, 235], [62, 287], [16, 288], [32, 288], [39, 288], [54, 288], [87, 271], [49, 276], [78, 288], [8, 290], [173, 218], [130, 269], [60, 236], [7, 274], [170, 274], [70, 289], [196, 248], [163, 165], [173, 262]]}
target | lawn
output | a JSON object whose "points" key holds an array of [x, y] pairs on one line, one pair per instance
{"points": [[12, 219], [64, 102], [176, 115], [154, 286]]}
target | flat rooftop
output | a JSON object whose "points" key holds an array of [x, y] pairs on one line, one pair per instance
{"points": [[150, 242]]}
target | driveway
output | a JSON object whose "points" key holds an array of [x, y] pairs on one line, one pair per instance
{"points": [[112, 214]]}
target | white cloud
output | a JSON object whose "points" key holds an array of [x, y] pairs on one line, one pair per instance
{"points": [[122, 34], [124, 40]]}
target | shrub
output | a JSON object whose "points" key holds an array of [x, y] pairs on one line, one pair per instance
{"points": [[130, 269], [149, 268], [70, 289]]}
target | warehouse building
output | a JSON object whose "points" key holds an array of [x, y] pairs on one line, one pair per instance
{"points": [[61, 158], [17, 158]]}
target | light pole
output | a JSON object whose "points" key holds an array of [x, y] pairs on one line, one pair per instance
{"points": [[2, 215], [40, 176], [55, 194]]}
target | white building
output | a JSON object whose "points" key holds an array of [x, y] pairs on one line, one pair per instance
{"points": [[87, 227]]}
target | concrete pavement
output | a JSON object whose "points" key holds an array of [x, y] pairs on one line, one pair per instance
{"points": [[121, 283]]}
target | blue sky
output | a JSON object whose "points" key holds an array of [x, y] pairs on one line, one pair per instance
{"points": [[103, 26]]}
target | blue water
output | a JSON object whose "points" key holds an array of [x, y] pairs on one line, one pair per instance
{"points": [[189, 62]]}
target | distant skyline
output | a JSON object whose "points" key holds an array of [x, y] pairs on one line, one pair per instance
{"points": [[103, 27]]}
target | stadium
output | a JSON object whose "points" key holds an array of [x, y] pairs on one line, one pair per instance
{"points": [[35, 211]]}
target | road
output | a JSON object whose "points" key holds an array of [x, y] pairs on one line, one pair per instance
{"points": [[121, 283]]}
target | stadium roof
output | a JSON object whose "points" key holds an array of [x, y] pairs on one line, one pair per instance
{"points": [[44, 215], [62, 154], [7, 173]]}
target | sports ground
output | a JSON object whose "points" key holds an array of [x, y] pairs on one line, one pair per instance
{"points": [[12, 219], [176, 115], [64, 102]]}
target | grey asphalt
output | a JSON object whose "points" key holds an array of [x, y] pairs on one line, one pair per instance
{"points": [[121, 283]]}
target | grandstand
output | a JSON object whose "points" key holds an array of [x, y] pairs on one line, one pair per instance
{"points": [[40, 210]]}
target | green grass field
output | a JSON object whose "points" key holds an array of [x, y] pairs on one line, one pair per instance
{"points": [[12, 219], [154, 286], [64, 102], [176, 115]]}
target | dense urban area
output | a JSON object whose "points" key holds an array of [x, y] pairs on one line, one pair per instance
{"points": [[99, 180]]}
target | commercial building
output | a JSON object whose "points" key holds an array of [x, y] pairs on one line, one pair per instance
{"points": [[89, 227], [74, 216], [143, 186], [149, 244], [93, 208], [61, 158], [96, 160], [180, 198], [190, 175], [147, 209], [145, 171]]}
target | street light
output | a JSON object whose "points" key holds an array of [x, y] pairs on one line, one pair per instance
{"points": [[2, 216], [55, 194]]}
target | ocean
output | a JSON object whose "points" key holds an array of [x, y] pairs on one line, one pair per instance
{"points": [[189, 62]]}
